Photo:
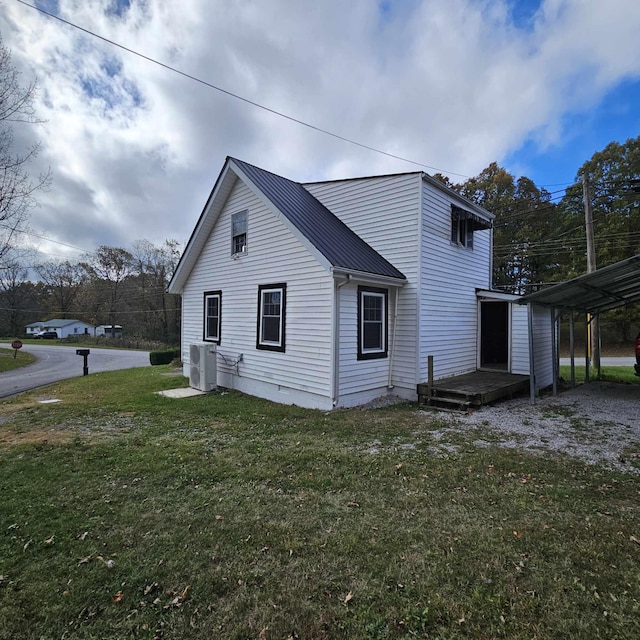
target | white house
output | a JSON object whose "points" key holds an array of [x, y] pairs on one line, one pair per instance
{"points": [[63, 327], [33, 328], [109, 331], [334, 293]]}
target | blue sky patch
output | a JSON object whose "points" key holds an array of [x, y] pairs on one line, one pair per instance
{"points": [[615, 117], [118, 7], [522, 13], [50, 6]]}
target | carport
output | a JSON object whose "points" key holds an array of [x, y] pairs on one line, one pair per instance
{"points": [[616, 285]]}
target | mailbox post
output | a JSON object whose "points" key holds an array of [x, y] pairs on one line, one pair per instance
{"points": [[85, 354]]}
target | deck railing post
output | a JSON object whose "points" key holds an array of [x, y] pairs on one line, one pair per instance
{"points": [[430, 375]]}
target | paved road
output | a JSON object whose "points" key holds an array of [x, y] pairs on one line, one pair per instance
{"points": [[55, 363]]}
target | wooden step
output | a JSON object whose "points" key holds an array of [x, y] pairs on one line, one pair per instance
{"points": [[448, 404]]}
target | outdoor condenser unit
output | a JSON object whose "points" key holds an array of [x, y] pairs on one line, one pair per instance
{"points": [[203, 372]]}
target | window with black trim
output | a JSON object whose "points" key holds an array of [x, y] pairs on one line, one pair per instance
{"points": [[461, 228], [239, 233], [372, 322], [464, 223], [272, 300], [212, 316]]}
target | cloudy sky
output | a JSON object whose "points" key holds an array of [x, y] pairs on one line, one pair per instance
{"points": [[135, 148]]}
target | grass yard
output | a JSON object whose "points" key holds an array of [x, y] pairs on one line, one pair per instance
{"points": [[128, 515], [612, 374], [11, 359]]}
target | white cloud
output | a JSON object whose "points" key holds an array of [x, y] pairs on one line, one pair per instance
{"points": [[135, 148]]}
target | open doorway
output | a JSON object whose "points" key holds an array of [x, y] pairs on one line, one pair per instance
{"points": [[494, 335]]}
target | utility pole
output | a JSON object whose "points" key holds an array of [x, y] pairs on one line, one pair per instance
{"points": [[588, 218], [591, 266]]}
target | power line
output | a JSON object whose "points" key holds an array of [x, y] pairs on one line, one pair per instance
{"points": [[43, 237]]}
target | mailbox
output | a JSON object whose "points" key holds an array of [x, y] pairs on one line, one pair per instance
{"points": [[85, 354]]}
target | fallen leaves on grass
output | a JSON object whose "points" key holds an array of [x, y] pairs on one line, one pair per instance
{"points": [[180, 598], [117, 597]]}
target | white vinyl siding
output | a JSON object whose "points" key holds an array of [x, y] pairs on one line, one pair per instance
{"points": [[276, 256], [383, 211], [520, 339], [543, 350], [450, 276], [357, 376]]}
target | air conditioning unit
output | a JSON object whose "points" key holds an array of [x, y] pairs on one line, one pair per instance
{"points": [[203, 371]]}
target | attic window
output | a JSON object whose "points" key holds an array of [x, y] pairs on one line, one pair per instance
{"points": [[239, 233], [463, 224]]}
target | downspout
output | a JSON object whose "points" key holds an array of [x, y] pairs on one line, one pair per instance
{"points": [[336, 342], [393, 337]]}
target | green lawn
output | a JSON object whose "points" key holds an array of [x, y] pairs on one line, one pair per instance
{"points": [[11, 359], [612, 374], [128, 515]]}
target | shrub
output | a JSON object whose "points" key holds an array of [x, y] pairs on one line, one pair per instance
{"points": [[164, 356]]}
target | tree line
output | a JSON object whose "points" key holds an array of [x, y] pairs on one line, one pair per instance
{"points": [[112, 286]]}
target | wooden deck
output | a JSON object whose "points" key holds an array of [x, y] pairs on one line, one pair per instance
{"points": [[471, 390]]}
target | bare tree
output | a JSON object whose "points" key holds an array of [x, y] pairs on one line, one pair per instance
{"points": [[64, 281], [14, 293], [154, 266], [17, 187], [108, 269]]}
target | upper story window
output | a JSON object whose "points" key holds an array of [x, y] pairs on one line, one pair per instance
{"points": [[271, 316], [212, 316], [239, 233], [372, 322], [463, 224]]}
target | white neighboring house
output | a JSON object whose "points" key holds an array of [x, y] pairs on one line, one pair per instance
{"points": [[334, 293], [63, 327], [33, 328], [110, 331]]}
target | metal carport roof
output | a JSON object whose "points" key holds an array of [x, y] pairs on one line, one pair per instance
{"points": [[604, 289]]}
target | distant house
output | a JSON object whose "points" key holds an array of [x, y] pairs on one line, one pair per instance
{"points": [[63, 327], [109, 331], [331, 294], [33, 328]]}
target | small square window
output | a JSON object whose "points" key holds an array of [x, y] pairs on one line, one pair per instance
{"points": [[239, 233], [271, 317], [212, 316], [372, 322]]}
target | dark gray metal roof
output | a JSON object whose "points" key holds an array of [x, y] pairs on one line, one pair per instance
{"points": [[604, 289], [342, 247]]}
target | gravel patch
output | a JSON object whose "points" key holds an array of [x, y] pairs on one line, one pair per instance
{"points": [[598, 423]]}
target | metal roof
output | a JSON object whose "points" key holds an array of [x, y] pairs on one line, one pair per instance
{"points": [[604, 289], [341, 246]]}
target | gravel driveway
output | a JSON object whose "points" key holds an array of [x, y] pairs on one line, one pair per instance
{"points": [[597, 422]]}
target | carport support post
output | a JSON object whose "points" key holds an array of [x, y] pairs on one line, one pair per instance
{"points": [[571, 350], [587, 345], [554, 350]]}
